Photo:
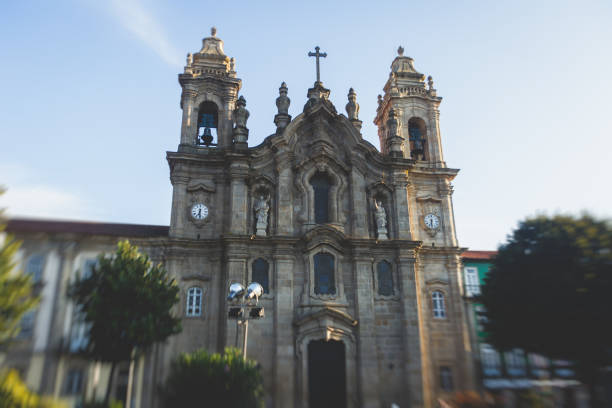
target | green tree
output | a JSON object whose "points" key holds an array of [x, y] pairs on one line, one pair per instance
{"points": [[549, 291], [127, 302], [200, 379], [16, 296]]}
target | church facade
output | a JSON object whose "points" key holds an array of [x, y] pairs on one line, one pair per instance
{"points": [[355, 247]]}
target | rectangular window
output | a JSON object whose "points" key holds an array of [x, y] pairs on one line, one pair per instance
{"points": [[472, 283], [79, 331], [35, 266], [489, 358], [74, 382], [446, 378], [27, 325], [325, 283], [88, 268], [515, 362]]}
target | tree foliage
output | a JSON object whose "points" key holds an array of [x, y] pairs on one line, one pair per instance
{"points": [[15, 394], [200, 379], [127, 300], [549, 291], [16, 296]]}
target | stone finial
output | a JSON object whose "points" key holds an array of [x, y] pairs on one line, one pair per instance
{"points": [[189, 59], [400, 51], [283, 101], [233, 64], [213, 31], [352, 109], [282, 118], [380, 100], [430, 82], [395, 141], [241, 115]]}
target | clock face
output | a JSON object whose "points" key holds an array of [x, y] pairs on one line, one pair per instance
{"points": [[199, 211], [432, 221]]}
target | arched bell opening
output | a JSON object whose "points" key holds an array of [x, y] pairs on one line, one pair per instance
{"points": [[208, 123], [417, 131]]}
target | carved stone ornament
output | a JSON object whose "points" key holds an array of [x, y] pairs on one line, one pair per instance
{"points": [[241, 115], [381, 220], [261, 209], [430, 206], [282, 118], [395, 142], [352, 107]]}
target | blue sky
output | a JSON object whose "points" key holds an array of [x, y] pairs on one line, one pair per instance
{"points": [[89, 97]]}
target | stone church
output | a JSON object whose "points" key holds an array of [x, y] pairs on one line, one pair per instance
{"points": [[355, 248]]}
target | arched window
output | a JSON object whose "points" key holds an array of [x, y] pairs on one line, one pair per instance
{"points": [[325, 283], [260, 274], [321, 185], [194, 301], [439, 310], [208, 123], [35, 267], [385, 278], [417, 132]]}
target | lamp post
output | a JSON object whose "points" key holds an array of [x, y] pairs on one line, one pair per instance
{"points": [[243, 306]]}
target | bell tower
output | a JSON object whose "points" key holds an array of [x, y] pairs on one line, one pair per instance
{"points": [[210, 94], [408, 114]]}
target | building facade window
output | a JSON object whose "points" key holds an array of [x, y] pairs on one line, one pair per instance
{"points": [[74, 382], [384, 276], [88, 268], [194, 302], [26, 325], [260, 274], [515, 362], [325, 283], [321, 185], [79, 332], [446, 378], [439, 308], [35, 266], [491, 364], [472, 283]]}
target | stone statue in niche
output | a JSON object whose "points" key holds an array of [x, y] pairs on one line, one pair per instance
{"points": [[381, 219], [261, 208]]}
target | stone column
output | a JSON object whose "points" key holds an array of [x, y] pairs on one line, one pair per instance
{"points": [[284, 370], [190, 117], [284, 199], [401, 213], [236, 264], [366, 346], [415, 371], [177, 218], [359, 205], [239, 197]]}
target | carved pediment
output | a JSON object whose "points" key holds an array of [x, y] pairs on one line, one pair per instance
{"points": [[205, 186], [324, 235], [327, 317]]}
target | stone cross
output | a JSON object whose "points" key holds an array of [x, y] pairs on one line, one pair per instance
{"points": [[318, 55]]}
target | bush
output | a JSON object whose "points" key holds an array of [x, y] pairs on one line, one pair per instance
{"points": [[15, 394], [200, 379]]}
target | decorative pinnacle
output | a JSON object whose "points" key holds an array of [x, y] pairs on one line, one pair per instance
{"points": [[400, 51], [213, 31]]}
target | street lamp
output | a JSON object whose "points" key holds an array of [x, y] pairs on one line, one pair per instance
{"points": [[243, 306]]}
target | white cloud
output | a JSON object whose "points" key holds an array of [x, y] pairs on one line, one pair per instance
{"points": [[139, 21], [25, 198]]}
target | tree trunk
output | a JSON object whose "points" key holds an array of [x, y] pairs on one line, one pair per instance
{"points": [[109, 386], [128, 398]]}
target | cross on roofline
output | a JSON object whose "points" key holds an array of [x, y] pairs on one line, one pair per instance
{"points": [[317, 55]]}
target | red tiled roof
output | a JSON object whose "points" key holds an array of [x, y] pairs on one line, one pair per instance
{"points": [[23, 225], [479, 254]]}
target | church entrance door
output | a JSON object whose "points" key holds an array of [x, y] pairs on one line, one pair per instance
{"points": [[326, 374]]}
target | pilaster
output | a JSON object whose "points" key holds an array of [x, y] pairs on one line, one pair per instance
{"points": [[189, 123], [400, 195], [366, 349], [284, 369], [238, 197], [415, 361], [284, 197]]}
